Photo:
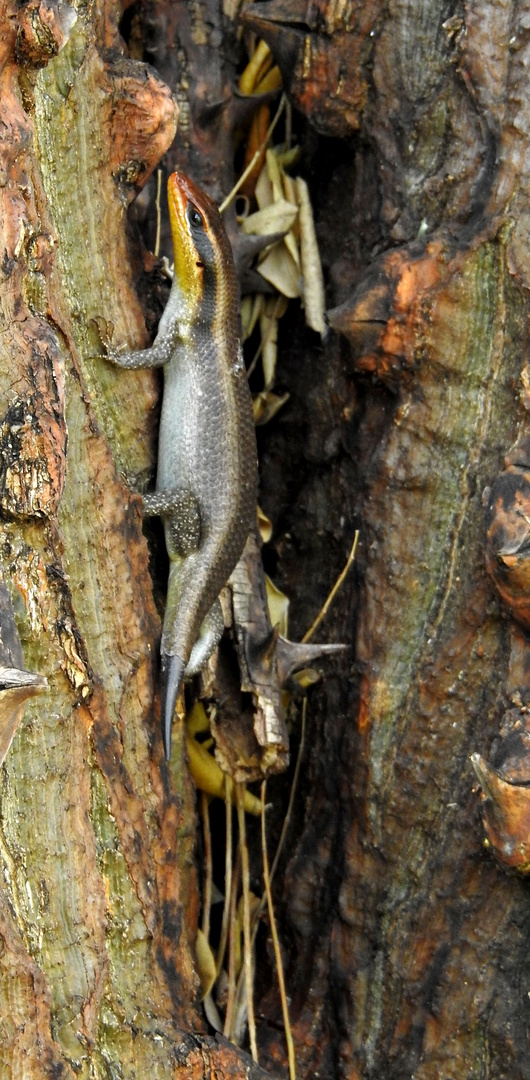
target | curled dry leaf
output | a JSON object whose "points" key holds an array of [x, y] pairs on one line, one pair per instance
{"points": [[273, 309], [264, 193], [280, 270], [274, 218], [256, 650], [269, 338], [264, 526], [274, 173], [206, 772], [261, 77], [251, 309], [266, 405], [278, 605], [313, 279], [270, 82], [259, 64], [206, 966]]}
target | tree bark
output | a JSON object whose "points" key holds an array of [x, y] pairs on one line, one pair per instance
{"points": [[405, 938], [408, 940], [99, 901]]}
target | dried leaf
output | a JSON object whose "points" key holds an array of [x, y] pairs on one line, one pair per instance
{"points": [[269, 82], [286, 158], [292, 246], [197, 719], [279, 268], [254, 903], [292, 238], [269, 337], [289, 188], [266, 405], [260, 62], [247, 304], [313, 279], [264, 526], [263, 192], [255, 150], [275, 176], [270, 354], [212, 1013], [206, 966], [278, 604], [307, 677], [275, 218], [208, 776], [251, 309]]}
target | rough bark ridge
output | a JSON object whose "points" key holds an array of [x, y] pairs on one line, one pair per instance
{"points": [[409, 942], [98, 898]]}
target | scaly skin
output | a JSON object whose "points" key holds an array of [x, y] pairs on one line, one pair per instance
{"points": [[207, 473]]}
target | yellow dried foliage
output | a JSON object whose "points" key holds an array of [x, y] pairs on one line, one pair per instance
{"points": [[206, 773], [206, 965], [266, 405], [278, 605], [264, 526]]}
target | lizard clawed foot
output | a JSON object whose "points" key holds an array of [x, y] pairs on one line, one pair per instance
{"points": [[105, 331], [171, 676]]}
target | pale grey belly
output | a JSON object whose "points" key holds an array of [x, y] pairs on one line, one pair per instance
{"points": [[194, 452]]}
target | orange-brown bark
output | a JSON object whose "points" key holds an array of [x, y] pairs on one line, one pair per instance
{"points": [[98, 905]]}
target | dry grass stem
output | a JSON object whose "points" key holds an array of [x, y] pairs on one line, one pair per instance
{"points": [[263, 901], [233, 930], [324, 609], [232, 194], [247, 960], [292, 795], [272, 327], [276, 941], [208, 869], [228, 880]]}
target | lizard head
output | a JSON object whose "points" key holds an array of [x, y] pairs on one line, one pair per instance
{"points": [[203, 256]]}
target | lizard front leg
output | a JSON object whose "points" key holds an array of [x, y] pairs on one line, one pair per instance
{"points": [[156, 356], [159, 353]]}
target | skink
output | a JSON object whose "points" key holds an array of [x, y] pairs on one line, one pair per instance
{"points": [[206, 481]]}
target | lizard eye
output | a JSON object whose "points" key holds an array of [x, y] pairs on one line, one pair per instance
{"points": [[195, 219]]}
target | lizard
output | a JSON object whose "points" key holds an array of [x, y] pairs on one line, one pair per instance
{"points": [[206, 483]]}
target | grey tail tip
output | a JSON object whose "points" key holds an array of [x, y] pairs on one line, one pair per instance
{"points": [[171, 676]]}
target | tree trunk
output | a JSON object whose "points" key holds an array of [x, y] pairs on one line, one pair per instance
{"points": [[404, 937]]}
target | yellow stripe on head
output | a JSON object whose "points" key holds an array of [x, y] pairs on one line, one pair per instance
{"points": [[188, 267], [204, 264]]}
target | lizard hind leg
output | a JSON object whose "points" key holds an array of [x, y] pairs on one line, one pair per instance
{"points": [[182, 518], [209, 635]]}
